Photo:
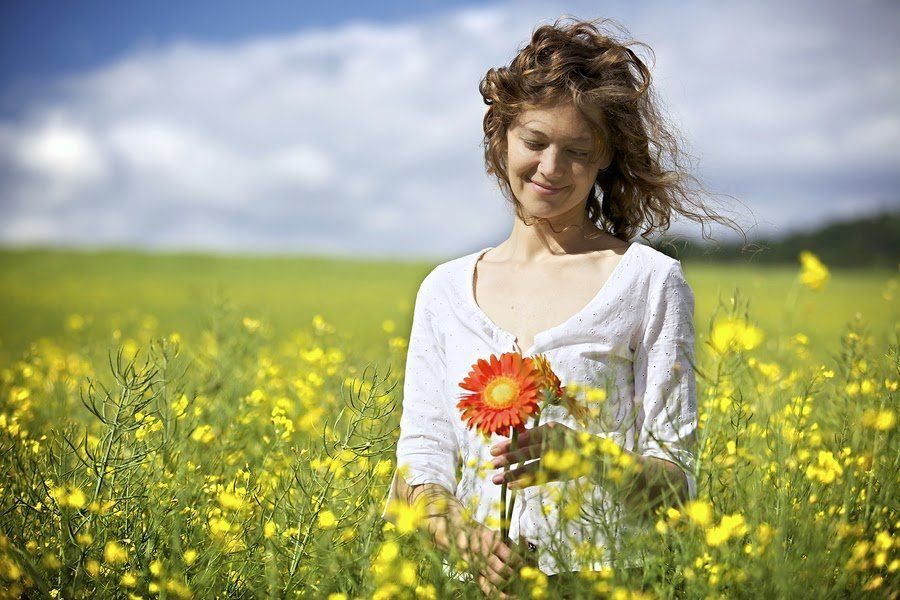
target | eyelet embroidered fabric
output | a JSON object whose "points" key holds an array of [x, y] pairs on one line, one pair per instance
{"points": [[635, 339]]}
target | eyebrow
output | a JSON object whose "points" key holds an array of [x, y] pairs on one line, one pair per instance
{"points": [[584, 138]]}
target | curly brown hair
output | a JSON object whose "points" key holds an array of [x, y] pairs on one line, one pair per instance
{"points": [[580, 62]]}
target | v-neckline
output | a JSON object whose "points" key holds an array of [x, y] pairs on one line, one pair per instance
{"points": [[539, 335]]}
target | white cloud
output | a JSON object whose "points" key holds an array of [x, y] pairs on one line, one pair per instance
{"points": [[364, 138]]}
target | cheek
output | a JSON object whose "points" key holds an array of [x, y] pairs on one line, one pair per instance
{"points": [[521, 162]]}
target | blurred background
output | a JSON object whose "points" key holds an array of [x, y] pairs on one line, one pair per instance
{"points": [[142, 143], [353, 128]]}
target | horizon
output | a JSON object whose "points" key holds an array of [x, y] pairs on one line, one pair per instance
{"points": [[120, 128]]}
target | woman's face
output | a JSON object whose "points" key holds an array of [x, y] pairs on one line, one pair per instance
{"points": [[549, 161]]}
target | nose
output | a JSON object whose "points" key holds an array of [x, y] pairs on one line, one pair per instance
{"points": [[551, 165]]}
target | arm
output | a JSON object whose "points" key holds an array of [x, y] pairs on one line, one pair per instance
{"points": [[427, 447], [653, 482], [665, 391], [446, 520]]}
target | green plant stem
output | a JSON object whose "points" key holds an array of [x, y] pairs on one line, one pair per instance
{"points": [[515, 440]]}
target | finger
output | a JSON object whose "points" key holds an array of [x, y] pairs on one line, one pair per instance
{"points": [[500, 567], [507, 555], [523, 477], [511, 475], [484, 585], [493, 577], [529, 452], [528, 438], [511, 557], [490, 590]]}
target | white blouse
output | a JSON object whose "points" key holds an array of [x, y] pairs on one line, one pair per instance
{"points": [[635, 338]]}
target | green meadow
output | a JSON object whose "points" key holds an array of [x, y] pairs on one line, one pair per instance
{"points": [[40, 290], [187, 426]]}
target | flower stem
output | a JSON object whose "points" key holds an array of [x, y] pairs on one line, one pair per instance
{"points": [[507, 515], [504, 522], [514, 446]]}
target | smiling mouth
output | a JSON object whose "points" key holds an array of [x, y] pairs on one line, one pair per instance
{"points": [[549, 189]]}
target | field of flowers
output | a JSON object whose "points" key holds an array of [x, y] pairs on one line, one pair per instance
{"points": [[162, 440]]}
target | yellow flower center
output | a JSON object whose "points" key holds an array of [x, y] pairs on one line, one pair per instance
{"points": [[501, 392]]}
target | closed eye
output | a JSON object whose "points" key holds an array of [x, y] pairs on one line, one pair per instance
{"points": [[538, 146]]}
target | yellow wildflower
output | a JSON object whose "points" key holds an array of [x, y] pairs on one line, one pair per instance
{"points": [[327, 519], [76, 498], [826, 469], [883, 420], [729, 526], [408, 517], [156, 567], [699, 511], [114, 553], [734, 333], [813, 274], [231, 500], [269, 529]]}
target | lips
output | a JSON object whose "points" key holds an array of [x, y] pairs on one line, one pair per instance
{"points": [[544, 191], [546, 187]]}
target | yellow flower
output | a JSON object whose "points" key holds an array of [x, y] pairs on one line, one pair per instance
{"points": [[128, 580], [407, 573], [383, 467], [76, 498], [408, 517], [269, 529], [733, 333], [327, 519], [699, 511], [813, 274], [75, 323], [729, 526], [826, 469], [92, 567], [231, 500], [114, 553], [203, 434], [883, 420], [251, 325], [190, 555], [156, 567], [560, 461]]}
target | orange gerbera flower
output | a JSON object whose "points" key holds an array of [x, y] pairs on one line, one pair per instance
{"points": [[558, 394], [504, 393], [549, 380]]}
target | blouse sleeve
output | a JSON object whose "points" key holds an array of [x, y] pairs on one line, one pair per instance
{"points": [[664, 380], [427, 444]]}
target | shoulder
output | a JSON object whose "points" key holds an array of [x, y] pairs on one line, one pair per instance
{"points": [[662, 277], [653, 266], [446, 278]]}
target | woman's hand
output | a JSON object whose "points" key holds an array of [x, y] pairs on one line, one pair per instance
{"points": [[497, 563], [531, 445]]}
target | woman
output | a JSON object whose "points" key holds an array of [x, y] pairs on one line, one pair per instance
{"points": [[578, 147]]}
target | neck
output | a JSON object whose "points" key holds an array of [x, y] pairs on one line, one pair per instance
{"points": [[545, 239]]}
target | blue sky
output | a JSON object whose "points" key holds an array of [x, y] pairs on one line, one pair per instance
{"points": [[354, 128], [40, 41]]}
